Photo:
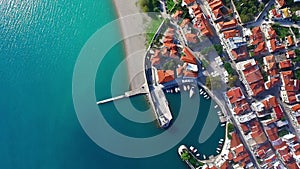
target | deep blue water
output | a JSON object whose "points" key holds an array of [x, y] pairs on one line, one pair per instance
{"points": [[39, 44]]}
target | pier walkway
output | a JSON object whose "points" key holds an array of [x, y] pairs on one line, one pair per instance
{"points": [[139, 91]]}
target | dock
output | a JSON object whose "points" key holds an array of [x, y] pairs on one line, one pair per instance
{"points": [[139, 91]]}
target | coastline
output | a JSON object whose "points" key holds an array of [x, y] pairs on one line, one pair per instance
{"points": [[132, 28]]}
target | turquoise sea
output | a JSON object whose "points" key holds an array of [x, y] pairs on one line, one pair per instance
{"points": [[39, 44]]}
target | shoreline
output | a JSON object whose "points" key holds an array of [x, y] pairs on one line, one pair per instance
{"points": [[132, 28]]}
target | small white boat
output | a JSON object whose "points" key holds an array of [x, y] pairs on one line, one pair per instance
{"points": [[204, 156], [222, 139], [192, 148], [192, 92], [208, 97], [223, 124], [216, 106], [184, 88], [197, 155], [188, 87], [176, 90], [195, 150], [218, 149], [201, 92], [220, 142], [171, 90]]}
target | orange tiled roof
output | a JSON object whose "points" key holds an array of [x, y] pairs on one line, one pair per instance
{"points": [[253, 75], [224, 165], [235, 140], [290, 40], [272, 33], [226, 25], [235, 95], [275, 46], [285, 64], [292, 165], [257, 35], [191, 38], [216, 4], [296, 107], [231, 33], [291, 54], [189, 56], [190, 74], [272, 133], [280, 2], [240, 53], [165, 76], [257, 88], [177, 14], [179, 71], [260, 48], [188, 2], [217, 13], [173, 53], [184, 23]]}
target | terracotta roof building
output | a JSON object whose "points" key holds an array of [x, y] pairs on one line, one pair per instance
{"points": [[165, 76], [257, 36], [289, 87], [240, 53], [252, 77], [237, 101], [231, 33], [227, 25], [285, 64]]}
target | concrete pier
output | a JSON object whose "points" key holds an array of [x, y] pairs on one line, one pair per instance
{"points": [[139, 91]]}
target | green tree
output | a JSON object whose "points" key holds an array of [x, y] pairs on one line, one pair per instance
{"points": [[297, 74], [230, 127], [185, 155], [228, 68], [219, 49]]}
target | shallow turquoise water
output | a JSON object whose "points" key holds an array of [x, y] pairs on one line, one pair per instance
{"points": [[39, 44]]}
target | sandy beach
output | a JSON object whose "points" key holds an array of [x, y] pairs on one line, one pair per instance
{"points": [[132, 24]]}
